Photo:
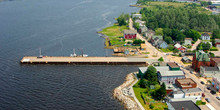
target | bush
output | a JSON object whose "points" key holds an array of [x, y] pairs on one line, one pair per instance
{"points": [[161, 59], [151, 106], [213, 49]]}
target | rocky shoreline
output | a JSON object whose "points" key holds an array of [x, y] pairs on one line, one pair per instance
{"points": [[128, 102]]}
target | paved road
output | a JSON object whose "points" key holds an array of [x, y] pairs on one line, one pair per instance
{"points": [[150, 48], [213, 101], [195, 45]]}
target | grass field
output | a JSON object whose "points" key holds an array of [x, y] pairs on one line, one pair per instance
{"points": [[115, 34], [158, 105], [166, 50]]}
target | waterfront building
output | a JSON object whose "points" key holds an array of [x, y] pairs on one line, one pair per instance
{"points": [[208, 71], [169, 77], [182, 105], [130, 34], [139, 16]]}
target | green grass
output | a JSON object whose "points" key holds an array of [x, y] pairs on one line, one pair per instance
{"points": [[199, 102], [146, 94], [166, 50], [115, 34]]}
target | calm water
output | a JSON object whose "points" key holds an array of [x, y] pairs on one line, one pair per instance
{"points": [[57, 26]]}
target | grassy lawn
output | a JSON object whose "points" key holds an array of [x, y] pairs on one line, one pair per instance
{"points": [[115, 34], [158, 105], [199, 102], [166, 50]]}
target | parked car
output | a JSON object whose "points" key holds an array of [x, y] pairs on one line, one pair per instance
{"points": [[209, 88], [207, 99], [191, 72], [213, 92], [202, 82], [218, 97]]}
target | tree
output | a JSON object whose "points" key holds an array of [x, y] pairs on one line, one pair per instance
{"points": [[167, 31], [171, 47], [138, 41], [206, 46], [199, 47], [122, 19], [160, 59], [151, 74], [175, 51], [168, 40], [143, 83], [192, 34], [180, 37], [159, 94], [159, 31], [216, 34], [136, 25]]}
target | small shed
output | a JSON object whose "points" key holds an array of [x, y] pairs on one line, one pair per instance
{"points": [[143, 47], [186, 60], [173, 66]]}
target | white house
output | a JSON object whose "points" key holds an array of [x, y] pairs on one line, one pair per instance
{"points": [[188, 41], [192, 93], [169, 77], [137, 16], [205, 36]]}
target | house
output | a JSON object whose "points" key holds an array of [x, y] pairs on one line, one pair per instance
{"points": [[143, 29], [208, 71], [185, 83], [142, 70], [155, 38], [200, 59], [180, 47], [143, 47], [188, 41], [139, 16], [161, 44], [182, 105], [191, 94], [215, 61], [195, 93], [205, 36], [173, 66], [186, 60], [217, 42], [169, 77], [216, 81], [130, 34], [141, 23]]}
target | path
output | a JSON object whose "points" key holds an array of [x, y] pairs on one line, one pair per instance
{"points": [[150, 48], [195, 45]]}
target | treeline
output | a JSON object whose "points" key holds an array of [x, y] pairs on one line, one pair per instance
{"points": [[123, 19], [182, 18]]}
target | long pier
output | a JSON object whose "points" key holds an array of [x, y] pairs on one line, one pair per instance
{"points": [[85, 60]]}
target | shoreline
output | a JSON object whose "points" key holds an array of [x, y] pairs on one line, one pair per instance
{"points": [[128, 101]]}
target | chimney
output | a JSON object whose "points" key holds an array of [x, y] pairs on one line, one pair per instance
{"points": [[182, 108]]}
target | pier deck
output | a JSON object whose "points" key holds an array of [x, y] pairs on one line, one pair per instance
{"points": [[85, 60]]}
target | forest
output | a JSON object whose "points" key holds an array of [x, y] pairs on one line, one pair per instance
{"points": [[181, 18]]}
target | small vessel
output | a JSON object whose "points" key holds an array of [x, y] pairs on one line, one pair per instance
{"points": [[85, 55], [74, 54]]}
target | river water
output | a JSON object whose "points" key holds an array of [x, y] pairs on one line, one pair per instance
{"points": [[58, 26]]}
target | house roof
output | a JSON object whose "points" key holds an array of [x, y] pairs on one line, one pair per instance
{"points": [[139, 21], [202, 56], [188, 38], [186, 81], [159, 68], [191, 90], [205, 34], [130, 31], [177, 45], [187, 105], [217, 76], [216, 60], [185, 58], [143, 46], [172, 65], [159, 36], [211, 68], [171, 73]]}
